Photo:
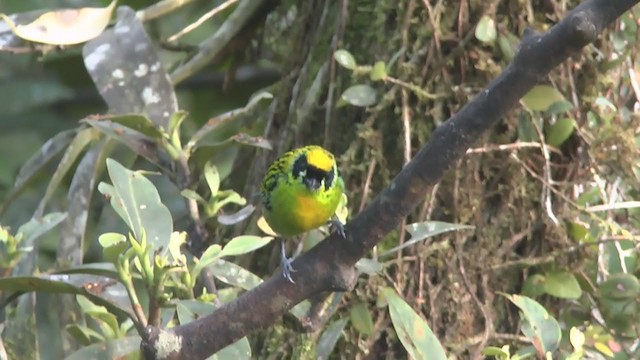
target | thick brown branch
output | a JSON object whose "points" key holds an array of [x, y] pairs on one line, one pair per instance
{"points": [[330, 265]]}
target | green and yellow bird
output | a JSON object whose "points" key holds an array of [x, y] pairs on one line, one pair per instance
{"points": [[301, 191]]}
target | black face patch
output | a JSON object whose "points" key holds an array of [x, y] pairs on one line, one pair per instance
{"points": [[328, 179], [299, 166]]}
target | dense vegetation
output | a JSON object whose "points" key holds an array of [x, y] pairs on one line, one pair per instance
{"points": [[530, 241]]}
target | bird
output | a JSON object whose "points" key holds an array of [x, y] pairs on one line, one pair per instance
{"points": [[301, 191]]}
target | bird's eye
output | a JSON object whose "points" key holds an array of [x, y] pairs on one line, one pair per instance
{"points": [[300, 166]]}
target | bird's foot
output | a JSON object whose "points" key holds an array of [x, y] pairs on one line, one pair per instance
{"points": [[285, 263], [337, 226]]}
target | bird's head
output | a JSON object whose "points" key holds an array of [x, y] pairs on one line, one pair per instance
{"points": [[316, 167]]}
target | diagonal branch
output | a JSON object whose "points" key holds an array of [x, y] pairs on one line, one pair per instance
{"points": [[330, 265]]}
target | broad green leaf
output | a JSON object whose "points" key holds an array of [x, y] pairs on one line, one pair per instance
{"points": [[359, 95], [486, 30], [379, 71], [543, 330], [620, 286], [35, 228], [137, 122], [360, 317], [112, 349], [234, 274], [577, 231], [208, 257], [620, 256], [106, 269], [426, 229], [496, 352], [344, 58], [140, 205], [244, 244], [213, 178], [508, 44], [79, 143], [189, 310], [329, 339], [138, 142], [107, 322], [534, 286], [560, 131], [541, 97], [101, 291], [413, 332], [71, 246], [562, 284]]}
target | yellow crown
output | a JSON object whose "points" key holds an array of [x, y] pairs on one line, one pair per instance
{"points": [[320, 158]]}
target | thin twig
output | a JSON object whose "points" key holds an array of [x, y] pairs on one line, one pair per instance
{"points": [[201, 20]]}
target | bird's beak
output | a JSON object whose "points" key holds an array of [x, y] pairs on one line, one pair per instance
{"points": [[311, 183]]}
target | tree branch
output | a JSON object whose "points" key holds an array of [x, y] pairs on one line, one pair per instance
{"points": [[330, 265]]}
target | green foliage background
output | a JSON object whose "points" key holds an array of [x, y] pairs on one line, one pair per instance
{"points": [[556, 222]]}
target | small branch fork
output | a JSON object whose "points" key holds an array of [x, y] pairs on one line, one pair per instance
{"points": [[329, 266]]}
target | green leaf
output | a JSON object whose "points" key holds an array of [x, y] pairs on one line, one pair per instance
{"points": [[35, 228], [541, 97], [137, 201], [508, 44], [190, 194], [329, 339], [112, 349], [379, 71], [113, 244], [137, 122], [559, 107], [486, 30], [244, 244], [239, 350], [620, 286], [227, 121], [138, 142], [213, 178], [189, 310], [208, 257], [426, 229], [234, 274], [534, 285], [498, 353], [368, 266], [560, 131], [84, 335], [360, 317], [81, 141], [543, 330], [344, 58], [413, 332], [359, 95], [101, 291], [562, 284], [106, 269]]}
